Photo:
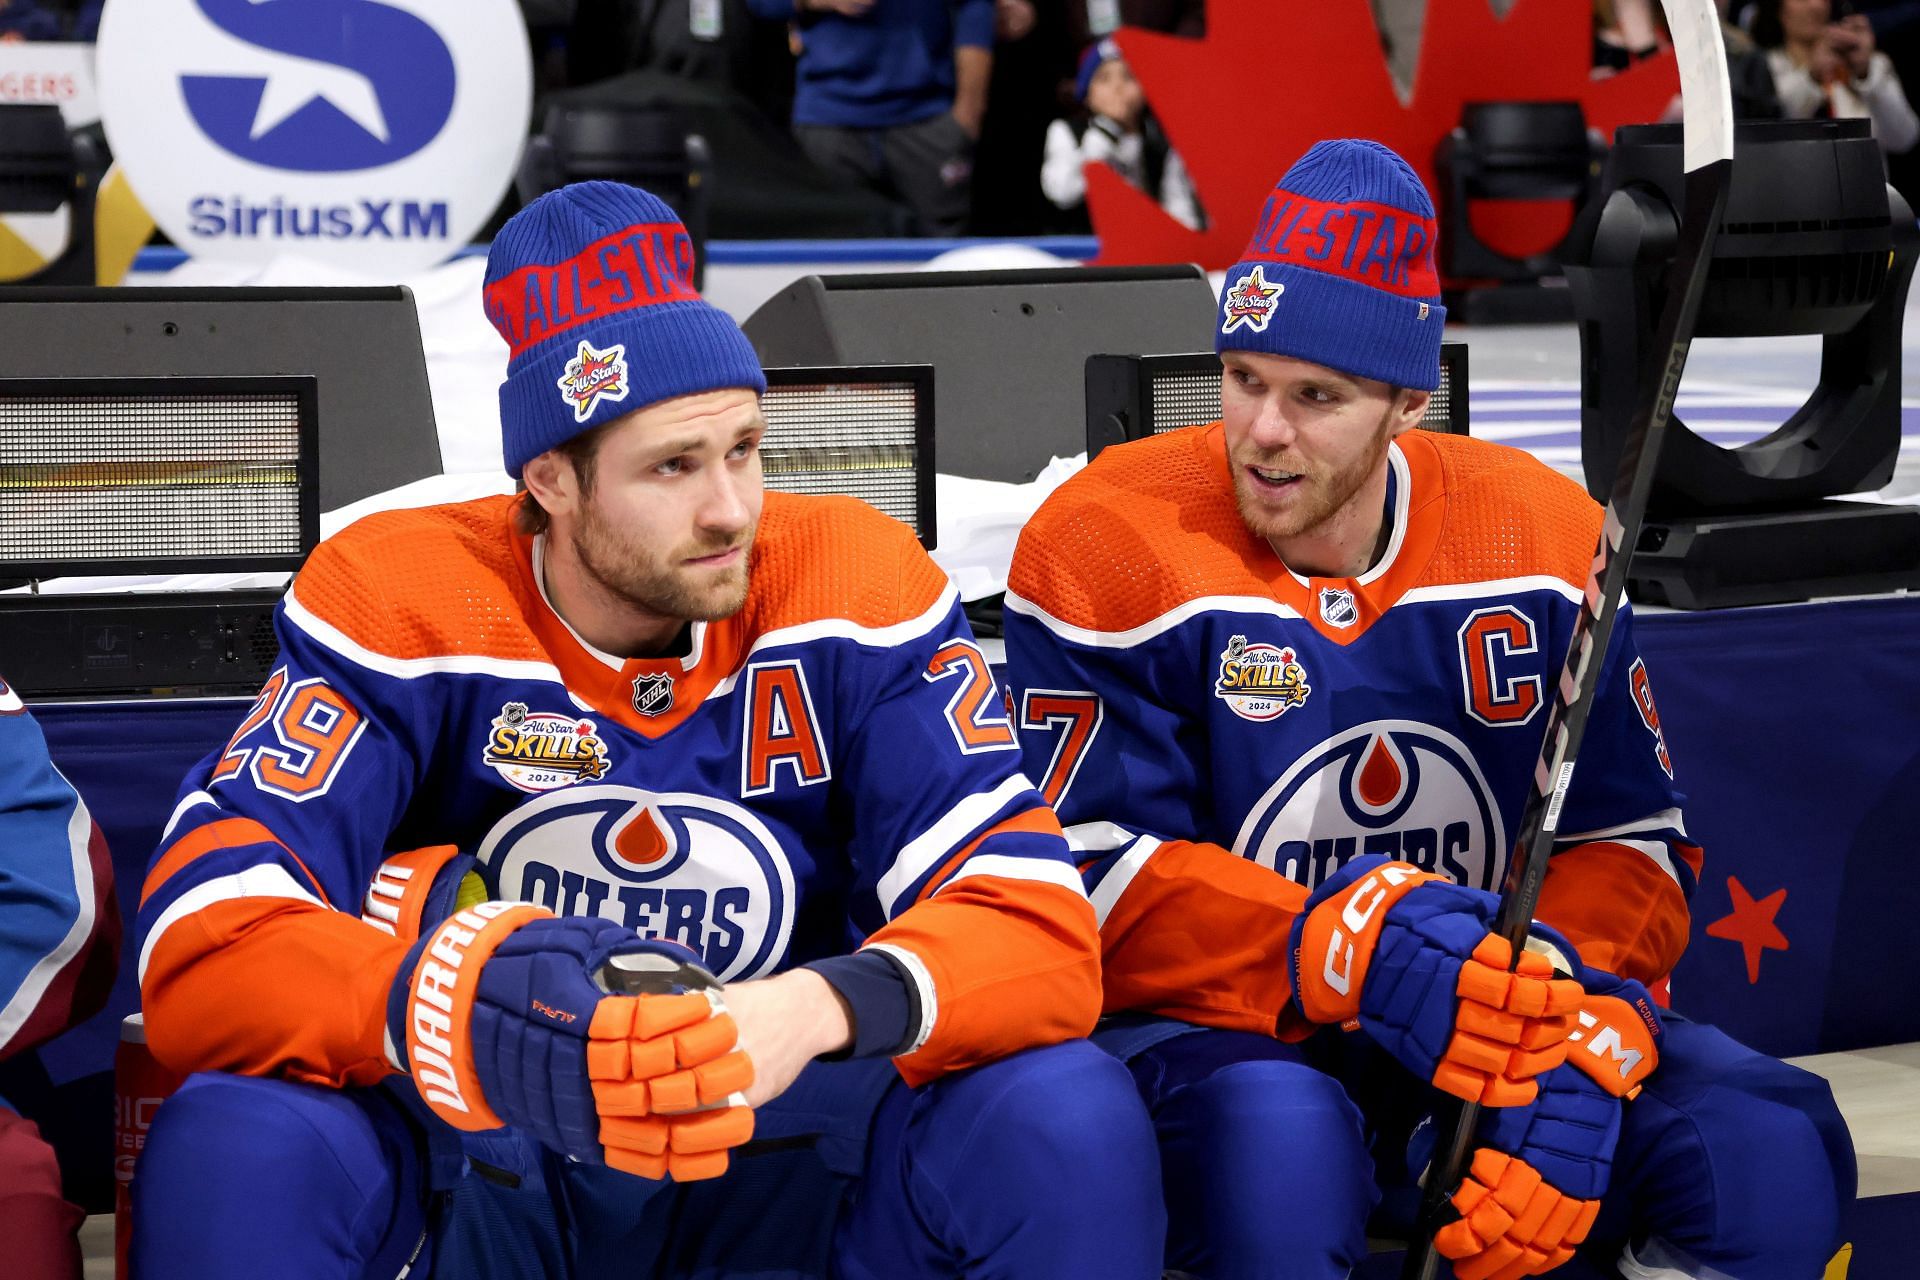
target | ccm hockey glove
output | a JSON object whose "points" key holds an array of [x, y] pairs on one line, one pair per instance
{"points": [[1535, 1184], [1408, 955], [505, 1023]]}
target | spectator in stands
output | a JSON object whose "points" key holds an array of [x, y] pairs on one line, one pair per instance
{"points": [[59, 949], [1626, 31], [1828, 68], [28, 20], [890, 95], [1115, 126]]}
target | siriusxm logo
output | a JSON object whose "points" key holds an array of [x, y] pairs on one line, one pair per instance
{"points": [[374, 135], [236, 216], [363, 84]]}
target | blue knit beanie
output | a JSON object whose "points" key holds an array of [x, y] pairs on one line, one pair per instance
{"points": [[592, 288], [1340, 269], [1099, 52]]}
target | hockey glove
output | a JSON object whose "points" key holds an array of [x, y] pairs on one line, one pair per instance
{"points": [[501, 1015], [1408, 955], [1536, 1180]]}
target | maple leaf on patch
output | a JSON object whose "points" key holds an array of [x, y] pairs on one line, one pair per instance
{"points": [[1272, 77]]}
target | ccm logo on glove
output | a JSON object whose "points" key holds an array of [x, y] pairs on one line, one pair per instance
{"points": [[1338, 968], [1614, 1044]]}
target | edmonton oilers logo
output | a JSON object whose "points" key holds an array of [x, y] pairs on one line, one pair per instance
{"points": [[699, 871], [1397, 787]]}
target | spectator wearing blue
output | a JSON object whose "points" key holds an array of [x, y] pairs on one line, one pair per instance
{"points": [[890, 95], [28, 20]]}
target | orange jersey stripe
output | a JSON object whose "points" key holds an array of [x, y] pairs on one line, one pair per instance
{"points": [[224, 833], [1036, 821]]}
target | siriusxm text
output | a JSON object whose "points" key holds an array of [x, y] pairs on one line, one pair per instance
{"points": [[236, 218]]}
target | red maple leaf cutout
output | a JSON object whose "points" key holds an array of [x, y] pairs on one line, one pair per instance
{"points": [[1273, 77]]}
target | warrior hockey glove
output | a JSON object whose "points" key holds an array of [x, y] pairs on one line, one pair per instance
{"points": [[503, 1021], [1408, 954]]}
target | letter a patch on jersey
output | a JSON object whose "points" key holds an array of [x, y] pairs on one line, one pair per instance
{"points": [[781, 730]]}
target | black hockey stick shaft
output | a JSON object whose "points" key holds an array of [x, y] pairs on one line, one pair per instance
{"points": [[1709, 164]]}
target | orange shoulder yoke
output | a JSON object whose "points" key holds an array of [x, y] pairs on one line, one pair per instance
{"points": [[425, 583], [831, 557], [1147, 527], [1508, 515]]}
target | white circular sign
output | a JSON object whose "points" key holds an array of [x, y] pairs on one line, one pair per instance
{"points": [[377, 135]]}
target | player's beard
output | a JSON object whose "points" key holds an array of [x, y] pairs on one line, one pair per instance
{"points": [[1323, 493], [663, 585]]}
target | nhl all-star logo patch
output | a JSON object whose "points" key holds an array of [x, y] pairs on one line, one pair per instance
{"points": [[1338, 608], [592, 376], [1260, 681], [653, 694], [544, 750], [1252, 302]]}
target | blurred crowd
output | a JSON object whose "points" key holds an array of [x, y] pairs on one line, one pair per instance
{"points": [[950, 117]]}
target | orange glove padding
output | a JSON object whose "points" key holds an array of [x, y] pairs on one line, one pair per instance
{"points": [[1512, 1223], [1407, 954], [1511, 1026], [666, 1078]]}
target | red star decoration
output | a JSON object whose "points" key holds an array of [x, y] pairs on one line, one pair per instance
{"points": [[1751, 925]]}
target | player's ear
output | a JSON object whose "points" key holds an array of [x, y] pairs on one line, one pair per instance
{"points": [[1410, 406], [551, 479]]}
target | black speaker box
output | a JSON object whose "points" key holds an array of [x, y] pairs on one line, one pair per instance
{"points": [[1009, 348]]}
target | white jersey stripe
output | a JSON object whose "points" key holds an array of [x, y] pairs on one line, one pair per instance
{"points": [[1119, 876], [1262, 605], [953, 829], [1007, 867], [1654, 849], [1098, 837], [1665, 820], [267, 880], [27, 997]]}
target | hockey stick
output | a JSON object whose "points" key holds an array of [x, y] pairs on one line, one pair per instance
{"points": [[1707, 108]]}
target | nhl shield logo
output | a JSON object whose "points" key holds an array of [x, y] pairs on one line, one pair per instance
{"points": [[1338, 607], [653, 694]]}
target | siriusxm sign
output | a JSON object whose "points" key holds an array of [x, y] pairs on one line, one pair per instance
{"points": [[371, 134]]}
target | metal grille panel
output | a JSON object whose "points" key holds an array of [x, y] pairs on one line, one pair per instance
{"points": [[849, 438], [1185, 399], [86, 478]]}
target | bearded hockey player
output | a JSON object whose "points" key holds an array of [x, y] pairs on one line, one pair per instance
{"points": [[641, 721], [1283, 677]]}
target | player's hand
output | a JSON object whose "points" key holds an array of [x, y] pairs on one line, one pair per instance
{"points": [[1408, 955], [785, 1022], [494, 1006], [1513, 1222], [669, 1081]]}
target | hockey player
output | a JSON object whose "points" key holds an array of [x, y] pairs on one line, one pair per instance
{"points": [[1267, 667], [59, 948], [686, 724]]}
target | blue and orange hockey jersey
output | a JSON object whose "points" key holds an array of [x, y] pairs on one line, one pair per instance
{"points": [[827, 769], [59, 927], [1185, 698]]}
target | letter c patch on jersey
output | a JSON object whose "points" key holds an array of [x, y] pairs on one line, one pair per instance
{"points": [[781, 730], [1490, 639]]}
